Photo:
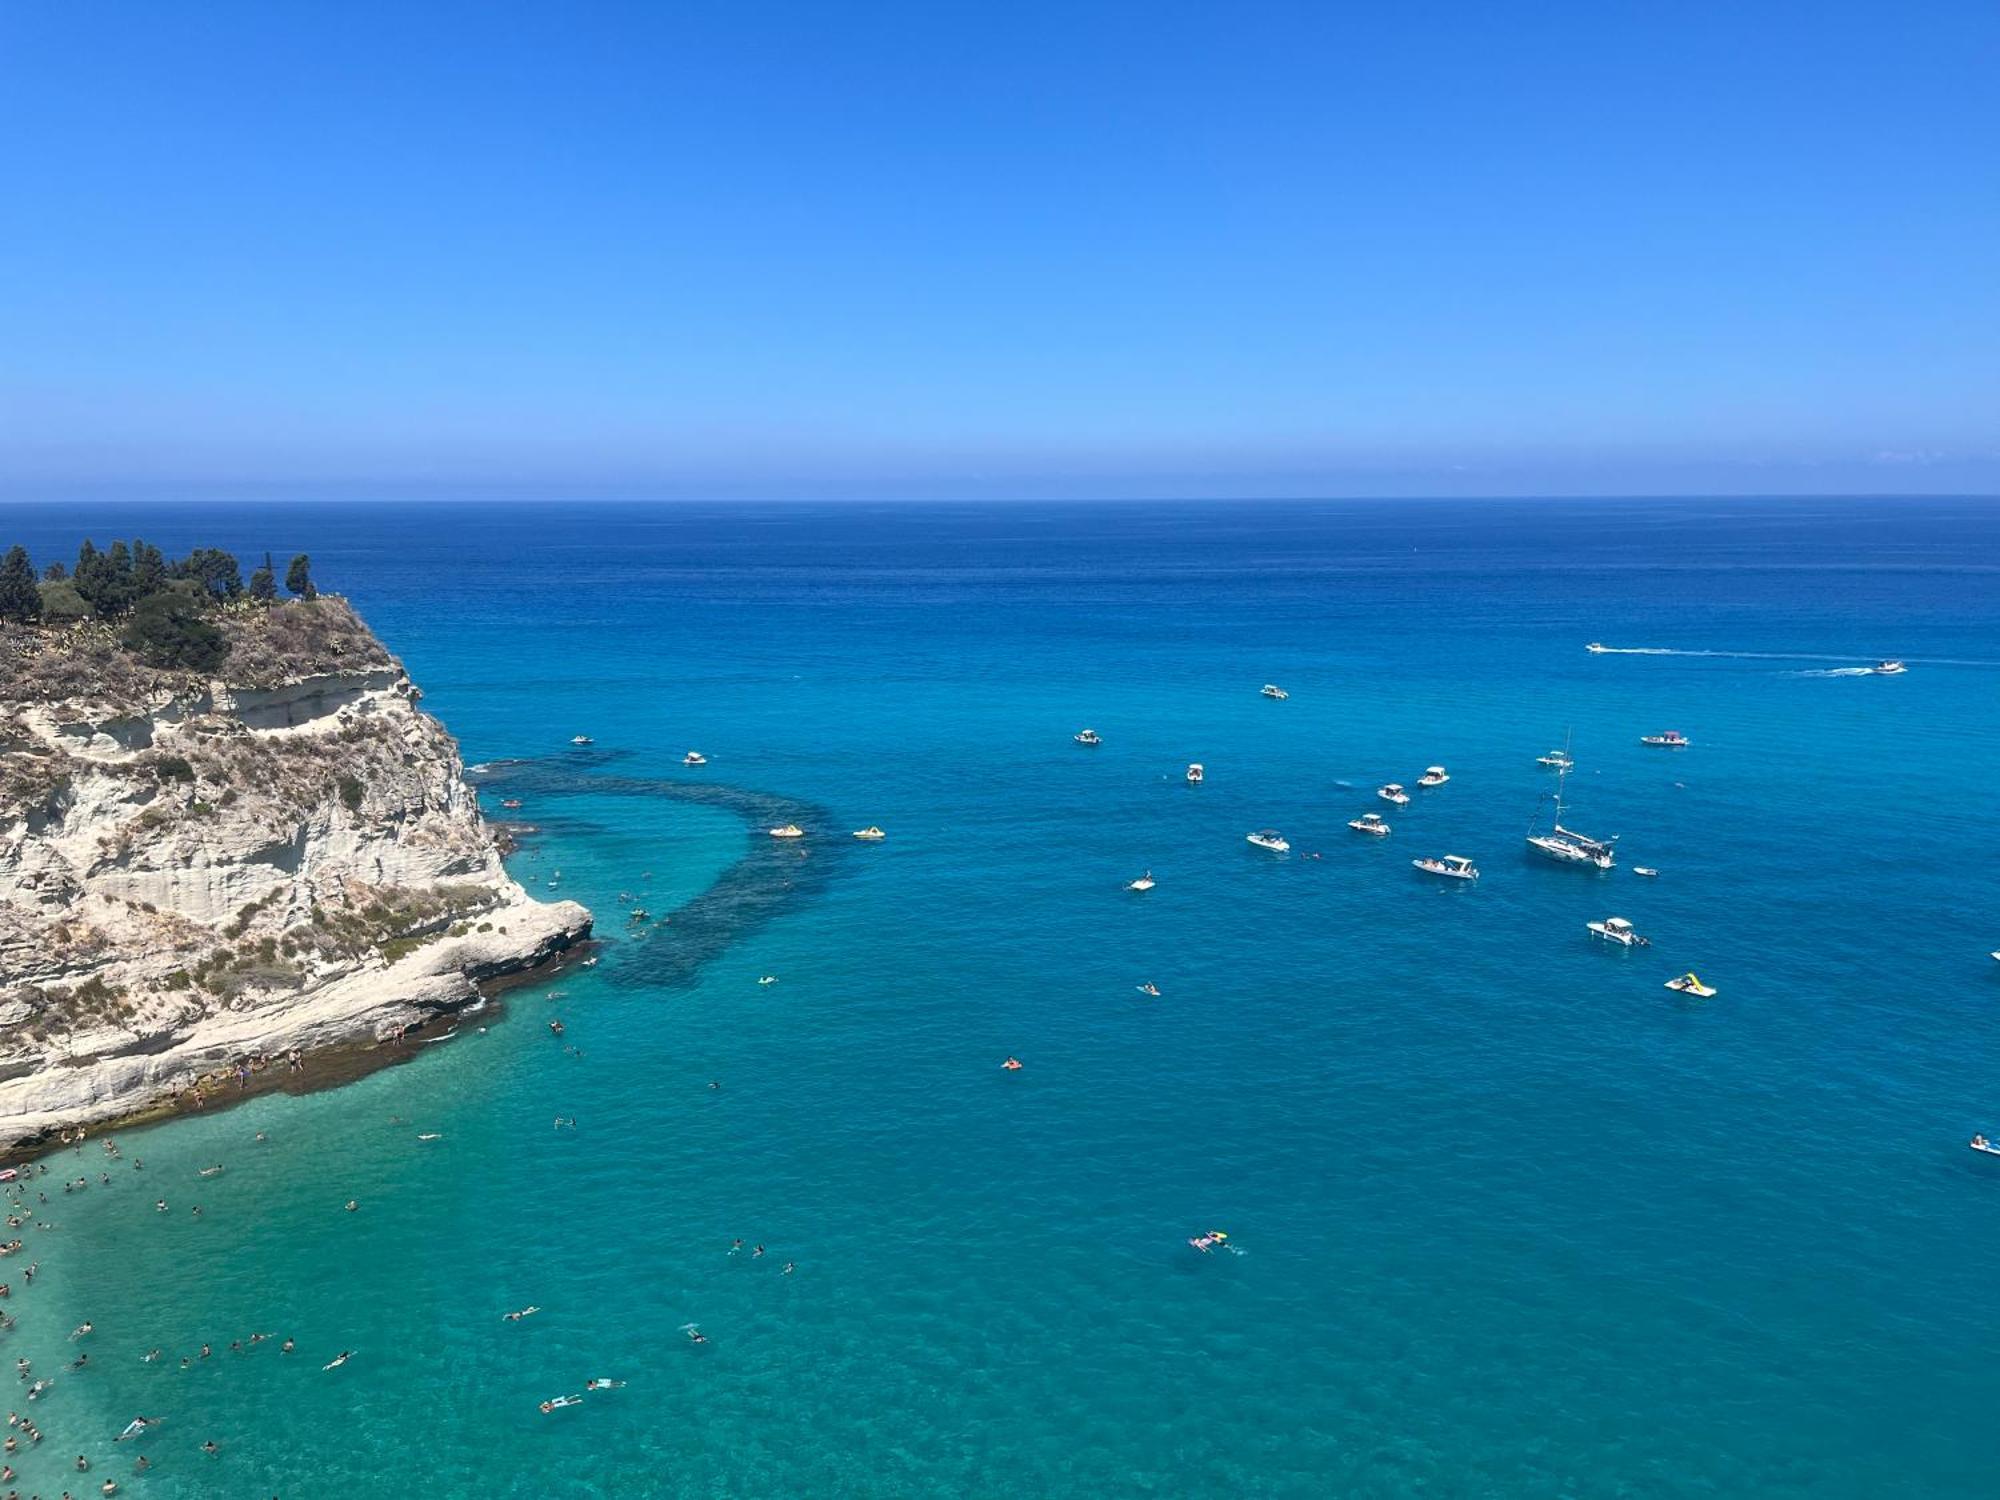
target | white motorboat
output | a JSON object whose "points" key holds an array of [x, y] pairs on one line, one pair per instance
{"points": [[581, 739], [1556, 760], [1433, 776], [1618, 930], [694, 758], [1143, 883], [1690, 984], [1980, 1143], [1369, 823], [1671, 739], [1889, 669], [1272, 690], [1195, 773], [1088, 737], [1393, 792], [789, 831], [871, 833], [1269, 838], [1597, 648], [1455, 866], [1646, 870], [1566, 845]]}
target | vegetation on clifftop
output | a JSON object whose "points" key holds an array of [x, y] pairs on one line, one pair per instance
{"points": [[128, 623], [164, 605]]}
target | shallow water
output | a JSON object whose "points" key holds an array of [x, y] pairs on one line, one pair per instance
{"points": [[1515, 1220]]}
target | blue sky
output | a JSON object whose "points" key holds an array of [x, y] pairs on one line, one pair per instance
{"points": [[940, 249]]}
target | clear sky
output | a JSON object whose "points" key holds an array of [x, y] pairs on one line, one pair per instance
{"points": [[772, 249]]}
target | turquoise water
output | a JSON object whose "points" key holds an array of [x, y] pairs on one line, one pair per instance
{"points": [[1515, 1220]]}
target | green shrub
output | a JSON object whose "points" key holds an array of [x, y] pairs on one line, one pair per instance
{"points": [[350, 792], [167, 630]]}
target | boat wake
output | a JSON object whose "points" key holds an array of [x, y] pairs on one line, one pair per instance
{"points": [[1928, 661], [1834, 672]]}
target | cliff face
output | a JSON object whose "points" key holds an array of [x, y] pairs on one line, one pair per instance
{"points": [[194, 870]]}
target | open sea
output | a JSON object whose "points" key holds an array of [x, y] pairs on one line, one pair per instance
{"points": [[1506, 1217]]}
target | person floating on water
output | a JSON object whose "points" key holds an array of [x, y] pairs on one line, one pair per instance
{"points": [[1012, 1065], [338, 1360]]}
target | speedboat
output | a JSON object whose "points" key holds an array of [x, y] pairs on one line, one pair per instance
{"points": [[1088, 737], [1456, 866], [1195, 773], [694, 758], [1618, 930], [1143, 883], [1689, 984], [1673, 739], [511, 804], [1369, 823], [1433, 776], [768, 979], [1889, 668], [1597, 648], [581, 739], [1646, 870], [1269, 838], [1272, 690], [1556, 760], [1393, 792], [1980, 1143], [870, 833], [789, 831]]}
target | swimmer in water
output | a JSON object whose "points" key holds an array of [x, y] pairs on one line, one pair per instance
{"points": [[1012, 1065], [695, 1335], [790, 1266], [338, 1360], [515, 1317], [353, 1204], [602, 1385]]}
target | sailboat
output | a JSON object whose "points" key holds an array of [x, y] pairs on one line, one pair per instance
{"points": [[1566, 845]]}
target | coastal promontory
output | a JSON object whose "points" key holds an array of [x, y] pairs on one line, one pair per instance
{"points": [[228, 834]]}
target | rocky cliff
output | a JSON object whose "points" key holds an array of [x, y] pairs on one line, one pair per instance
{"points": [[198, 870]]}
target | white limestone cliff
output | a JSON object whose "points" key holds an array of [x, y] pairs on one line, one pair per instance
{"points": [[193, 872]]}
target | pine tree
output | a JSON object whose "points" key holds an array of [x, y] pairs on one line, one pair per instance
{"points": [[55, 572], [298, 577], [20, 600], [264, 582], [93, 574], [149, 569]]}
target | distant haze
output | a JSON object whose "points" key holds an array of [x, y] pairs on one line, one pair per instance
{"points": [[1032, 250]]}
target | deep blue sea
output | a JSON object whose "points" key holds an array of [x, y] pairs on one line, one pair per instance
{"points": [[1512, 1218]]}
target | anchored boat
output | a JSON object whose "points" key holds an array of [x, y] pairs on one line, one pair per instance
{"points": [[1566, 845]]}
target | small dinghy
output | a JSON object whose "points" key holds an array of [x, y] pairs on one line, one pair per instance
{"points": [[1143, 883], [1981, 1144]]}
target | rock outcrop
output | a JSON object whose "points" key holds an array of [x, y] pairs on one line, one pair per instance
{"points": [[197, 871]]}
